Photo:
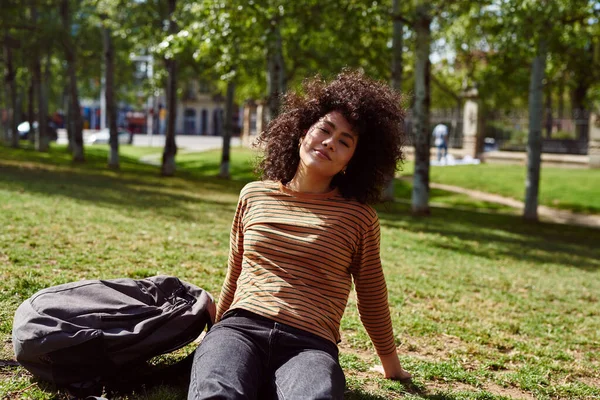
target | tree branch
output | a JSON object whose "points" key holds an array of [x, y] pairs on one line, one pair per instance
{"points": [[400, 17], [445, 88]]}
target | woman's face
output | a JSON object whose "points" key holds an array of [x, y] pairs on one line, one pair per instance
{"points": [[328, 146]]}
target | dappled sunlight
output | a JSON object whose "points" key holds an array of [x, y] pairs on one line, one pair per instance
{"points": [[493, 236]]}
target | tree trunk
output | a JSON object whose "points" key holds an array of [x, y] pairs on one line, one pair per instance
{"points": [[69, 121], [420, 193], [227, 131], [548, 110], [77, 121], [578, 98], [397, 70], [109, 70], [19, 114], [43, 101], [40, 137], [3, 115], [276, 73], [11, 89], [561, 101], [534, 142], [170, 150], [31, 111]]}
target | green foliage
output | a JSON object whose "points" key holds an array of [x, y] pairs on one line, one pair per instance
{"points": [[230, 38], [495, 41]]}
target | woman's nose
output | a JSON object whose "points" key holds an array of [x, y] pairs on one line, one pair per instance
{"points": [[328, 143]]}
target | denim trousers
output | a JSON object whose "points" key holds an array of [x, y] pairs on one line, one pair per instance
{"points": [[247, 356]]}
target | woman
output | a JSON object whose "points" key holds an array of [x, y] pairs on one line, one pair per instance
{"points": [[299, 239]]}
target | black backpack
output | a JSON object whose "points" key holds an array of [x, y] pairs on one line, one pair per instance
{"points": [[100, 333]]}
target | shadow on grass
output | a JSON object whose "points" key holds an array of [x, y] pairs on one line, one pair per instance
{"points": [[358, 394], [178, 388], [415, 391], [403, 190], [135, 186], [199, 168], [495, 236]]}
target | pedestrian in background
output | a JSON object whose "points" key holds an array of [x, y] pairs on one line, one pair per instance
{"points": [[440, 136]]}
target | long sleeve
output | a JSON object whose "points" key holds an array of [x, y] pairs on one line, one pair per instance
{"points": [[293, 257], [234, 264], [371, 289]]}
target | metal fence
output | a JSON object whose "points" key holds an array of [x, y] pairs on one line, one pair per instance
{"points": [[565, 135], [452, 118]]}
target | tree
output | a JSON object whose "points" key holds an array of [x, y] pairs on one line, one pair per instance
{"points": [[162, 31], [227, 131], [528, 22], [534, 142], [276, 73], [11, 87], [76, 123], [396, 72], [12, 26], [42, 140], [422, 138], [111, 109], [168, 159], [419, 16]]}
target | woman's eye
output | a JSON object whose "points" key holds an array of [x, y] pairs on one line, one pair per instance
{"points": [[345, 144], [324, 130]]}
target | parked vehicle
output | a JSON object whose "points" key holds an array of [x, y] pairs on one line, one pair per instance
{"points": [[23, 128], [103, 137]]}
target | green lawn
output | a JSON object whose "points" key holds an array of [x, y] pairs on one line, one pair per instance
{"points": [[565, 188], [485, 306]]}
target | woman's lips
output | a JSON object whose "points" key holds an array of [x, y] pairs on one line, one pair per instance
{"points": [[322, 154]]}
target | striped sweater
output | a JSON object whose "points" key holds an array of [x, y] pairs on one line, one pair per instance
{"points": [[293, 257]]}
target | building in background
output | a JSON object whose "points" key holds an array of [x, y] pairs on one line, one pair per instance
{"points": [[199, 112]]}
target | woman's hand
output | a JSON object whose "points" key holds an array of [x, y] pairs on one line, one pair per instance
{"points": [[212, 311], [390, 368]]}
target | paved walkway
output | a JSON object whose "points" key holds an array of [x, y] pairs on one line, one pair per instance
{"points": [[545, 213]]}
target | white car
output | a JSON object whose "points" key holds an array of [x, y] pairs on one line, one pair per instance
{"points": [[23, 128], [103, 136]]}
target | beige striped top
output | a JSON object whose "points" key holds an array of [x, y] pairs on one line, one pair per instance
{"points": [[293, 257]]}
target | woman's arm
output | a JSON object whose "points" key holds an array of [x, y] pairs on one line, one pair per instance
{"points": [[234, 264], [372, 299]]}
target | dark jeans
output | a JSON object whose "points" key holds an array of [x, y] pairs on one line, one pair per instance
{"points": [[246, 356], [442, 148]]}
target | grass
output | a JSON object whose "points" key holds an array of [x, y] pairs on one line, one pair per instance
{"points": [[485, 306], [564, 188]]}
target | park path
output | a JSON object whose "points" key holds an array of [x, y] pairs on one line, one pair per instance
{"points": [[545, 213]]}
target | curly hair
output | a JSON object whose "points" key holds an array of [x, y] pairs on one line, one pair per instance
{"points": [[374, 111]]}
